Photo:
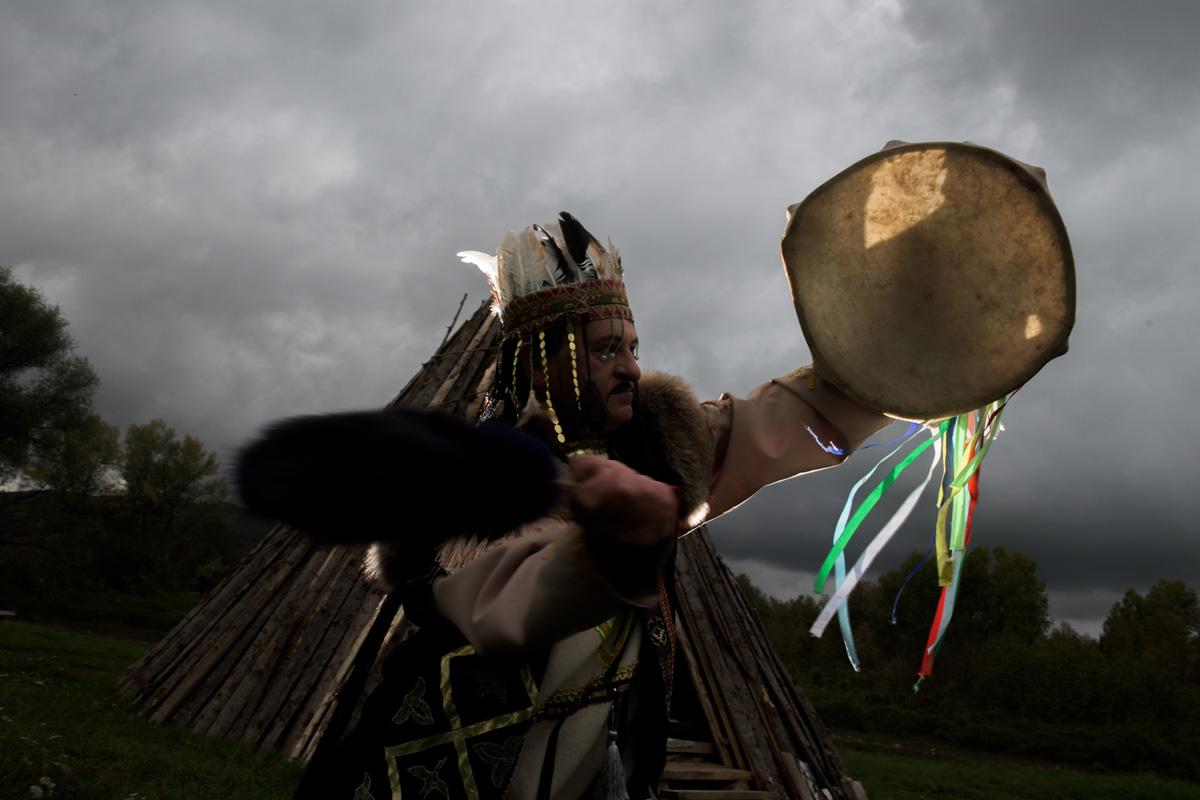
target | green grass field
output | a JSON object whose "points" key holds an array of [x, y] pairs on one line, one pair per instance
{"points": [[65, 732], [894, 777]]}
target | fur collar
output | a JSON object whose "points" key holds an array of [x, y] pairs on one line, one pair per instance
{"points": [[681, 430]]}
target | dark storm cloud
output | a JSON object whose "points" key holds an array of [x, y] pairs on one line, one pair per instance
{"points": [[1127, 72], [250, 210]]}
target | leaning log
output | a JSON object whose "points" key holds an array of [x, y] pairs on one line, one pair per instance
{"points": [[266, 655], [767, 723], [263, 657]]}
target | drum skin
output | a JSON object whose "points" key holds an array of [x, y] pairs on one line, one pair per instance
{"points": [[931, 279]]}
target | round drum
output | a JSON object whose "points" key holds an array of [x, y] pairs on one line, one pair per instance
{"points": [[931, 279]]}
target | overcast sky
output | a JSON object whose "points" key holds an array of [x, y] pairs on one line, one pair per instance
{"points": [[249, 210]]}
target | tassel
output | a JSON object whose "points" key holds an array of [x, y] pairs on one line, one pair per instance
{"points": [[612, 778], [610, 783]]}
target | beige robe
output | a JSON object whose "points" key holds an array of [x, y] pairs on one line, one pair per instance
{"points": [[543, 588]]}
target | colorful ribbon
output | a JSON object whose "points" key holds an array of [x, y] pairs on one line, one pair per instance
{"points": [[845, 583], [840, 565], [960, 445], [868, 503]]}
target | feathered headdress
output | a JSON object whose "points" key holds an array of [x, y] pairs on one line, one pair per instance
{"points": [[547, 271], [543, 278]]}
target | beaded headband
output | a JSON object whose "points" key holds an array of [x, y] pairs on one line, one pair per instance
{"points": [[599, 299], [546, 272]]}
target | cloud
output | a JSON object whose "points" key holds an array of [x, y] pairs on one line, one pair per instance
{"points": [[251, 210]]}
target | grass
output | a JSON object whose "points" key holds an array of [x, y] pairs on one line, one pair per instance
{"points": [[65, 732], [108, 609], [1138, 747], [887, 776]]}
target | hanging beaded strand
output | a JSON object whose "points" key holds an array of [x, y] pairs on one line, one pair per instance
{"points": [[612, 334], [613, 345], [613, 352], [516, 394], [558, 431], [574, 364], [532, 394]]}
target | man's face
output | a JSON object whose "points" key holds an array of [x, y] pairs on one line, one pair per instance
{"points": [[612, 347], [611, 356]]}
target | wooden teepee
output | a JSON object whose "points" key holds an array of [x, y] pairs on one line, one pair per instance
{"points": [[265, 656]]}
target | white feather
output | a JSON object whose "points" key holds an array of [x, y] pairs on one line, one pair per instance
{"points": [[489, 266], [482, 260]]}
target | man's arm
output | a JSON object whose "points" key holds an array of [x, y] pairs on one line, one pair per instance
{"points": [[559, 578], [783, 428]]}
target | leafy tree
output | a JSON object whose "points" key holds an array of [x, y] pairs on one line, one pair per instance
{"points": [[1135, 615], [72, 470], [1006, 681], [1163, 626], [80, 463], [164, 476], [172, 519], [903, 635], [45, 388], [1017, 603], [144, 514], [999, 592]]}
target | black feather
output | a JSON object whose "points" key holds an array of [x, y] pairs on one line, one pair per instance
{"points": [[405, 476], [562, 270], [578, 239]]}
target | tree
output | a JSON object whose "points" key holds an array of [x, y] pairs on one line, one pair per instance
{"points": [[144, 513], [164, 476], [172, 519], [71, 472], [1018, 604], [45, 388], [79, 463], [1164, 625]]}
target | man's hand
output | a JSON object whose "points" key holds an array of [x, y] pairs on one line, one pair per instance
{"points": [[617, 505]]}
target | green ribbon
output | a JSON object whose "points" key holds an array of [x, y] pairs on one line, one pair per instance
{"points": [[867, 504]]}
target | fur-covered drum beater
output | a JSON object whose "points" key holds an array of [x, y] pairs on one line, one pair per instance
{"points": [[931, 281], [410, 477]]}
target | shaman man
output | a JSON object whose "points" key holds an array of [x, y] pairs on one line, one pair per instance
{"points": [[544, 665]]}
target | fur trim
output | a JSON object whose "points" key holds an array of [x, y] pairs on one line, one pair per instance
{"points": [[684, 435]]}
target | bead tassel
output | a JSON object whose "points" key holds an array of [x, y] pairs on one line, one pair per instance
{"points": [[558, 431]]}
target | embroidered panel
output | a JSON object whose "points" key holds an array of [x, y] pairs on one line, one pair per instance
{"points": [[660, 632], [457, 734]]}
